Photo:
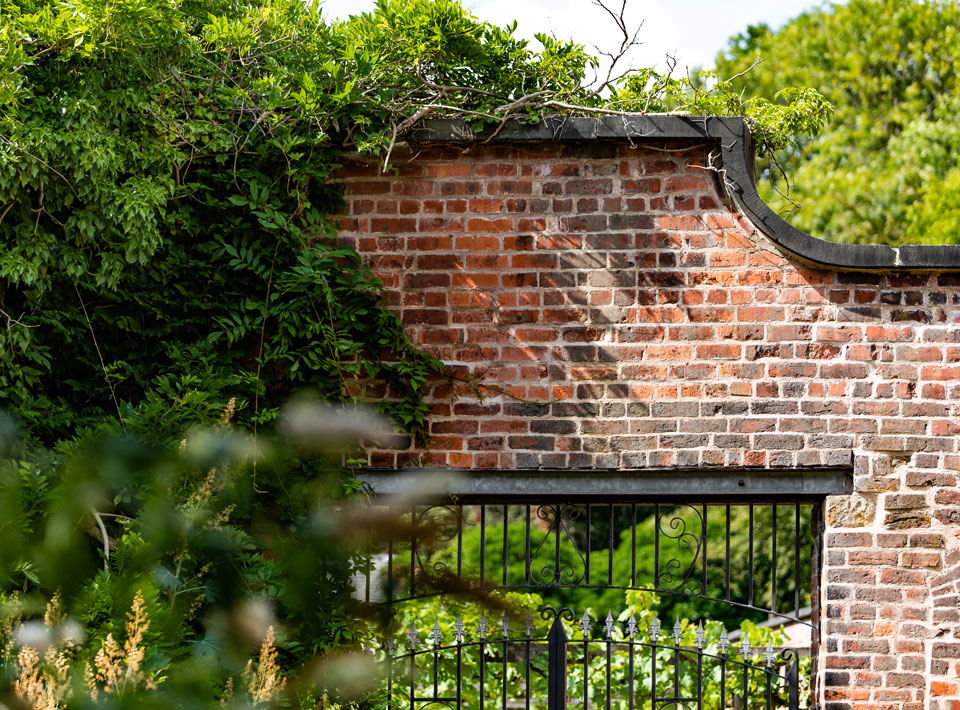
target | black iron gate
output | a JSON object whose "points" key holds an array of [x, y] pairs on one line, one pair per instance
{"points": [[506, 605]]}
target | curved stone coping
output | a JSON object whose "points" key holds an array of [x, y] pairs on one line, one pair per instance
{"points": [[737, 165]]}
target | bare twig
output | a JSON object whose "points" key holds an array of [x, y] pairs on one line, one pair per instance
{"points": [[96, 347], [627, 43], [393, 142], [737, 76], [11, 320], [104, 538]]}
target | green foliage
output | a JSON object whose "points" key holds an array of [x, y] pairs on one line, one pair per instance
{"points": [[776, 122], [163, 177], [884, 170], [220, 538]]}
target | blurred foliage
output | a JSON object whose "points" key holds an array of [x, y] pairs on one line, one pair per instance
{"points": [[887, 169], [168, 576]]}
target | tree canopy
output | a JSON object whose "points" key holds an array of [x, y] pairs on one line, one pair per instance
{"points": [[887, 167]]}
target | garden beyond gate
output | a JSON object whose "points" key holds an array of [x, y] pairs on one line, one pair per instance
{"points": [[523, 603]]}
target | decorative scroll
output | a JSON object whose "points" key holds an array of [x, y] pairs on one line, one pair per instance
{"points": [[673, 574], [555, 542]]}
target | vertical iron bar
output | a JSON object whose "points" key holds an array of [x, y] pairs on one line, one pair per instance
{"points": [[769, 694], [556, 666], [700, 678], [723, 682], [586, 672], [728, 554], [816, 524], [526, 666], [630, 681], [589, 510], [633, 548], [609, 642], [676, 669], [746, 684], [483, 542], [413, 678], [413, 550], [526, 552], [796, 560], [792, 674], [482, 667], [610, 550], [704, 538], [505, 545], [773, 563], [459, 677], [390, 677], [459, 510], [750, 570], [653, 667], [557, 511], [504, 684], [656, 550], [436, 671]]}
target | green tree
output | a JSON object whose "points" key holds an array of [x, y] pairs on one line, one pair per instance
{"points": [[886, 168]]}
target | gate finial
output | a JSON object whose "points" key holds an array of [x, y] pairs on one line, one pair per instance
{"points": [[609, 626], [585, 625], [631, 626], [505, 625], [482, 627], [724, 643], [677, 631], [654, 629]]}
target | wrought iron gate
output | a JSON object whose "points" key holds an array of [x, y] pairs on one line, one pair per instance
{"points": [[683, 575]]}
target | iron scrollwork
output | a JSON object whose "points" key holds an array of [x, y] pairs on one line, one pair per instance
{"points": [[673, 574], [556, 572], [439, 533]]}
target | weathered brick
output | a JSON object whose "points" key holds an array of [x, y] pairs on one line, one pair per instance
{"points": [[612, 311]]}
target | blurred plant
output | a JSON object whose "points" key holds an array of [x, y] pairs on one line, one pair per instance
{"points": [[169, 575]]}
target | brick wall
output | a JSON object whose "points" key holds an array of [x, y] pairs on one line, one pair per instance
{"points": [[603, 305]]}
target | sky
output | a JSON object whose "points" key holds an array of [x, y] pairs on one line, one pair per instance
{"points": [[693, 31]]}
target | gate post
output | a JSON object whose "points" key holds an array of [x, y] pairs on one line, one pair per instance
{"points": [[557, 666], [793, 682]]}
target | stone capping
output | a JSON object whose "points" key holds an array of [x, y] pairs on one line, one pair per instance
{"points": [[736, 167], [656, 485]]}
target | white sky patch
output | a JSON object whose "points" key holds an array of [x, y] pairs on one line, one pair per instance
{"points": [[692, 31]]}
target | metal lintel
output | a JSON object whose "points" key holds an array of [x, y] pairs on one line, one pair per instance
{"points": [[646, 484]]}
